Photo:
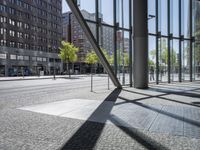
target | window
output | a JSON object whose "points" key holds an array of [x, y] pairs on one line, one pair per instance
{"points": [[12, 44], [13, 57], [44, 59], [19, 34], [33, 58], [19, 24], [11, 11], [11, 22], [12, 33], [19, 57], [2, 8], [26, 46], [3, 43], [26, 6], [26, 26], [26, 36], [26, 58], [2, 19], [2, 31], [39, 58], [19, 3], [19, 45], [2, 56]]}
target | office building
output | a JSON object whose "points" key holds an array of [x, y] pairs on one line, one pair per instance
{"points": [[30, 34]]}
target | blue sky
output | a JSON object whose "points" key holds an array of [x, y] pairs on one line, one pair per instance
{"points": [[65, 7]]}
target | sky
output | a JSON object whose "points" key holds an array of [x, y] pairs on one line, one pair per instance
{"points": [[65, 7]]}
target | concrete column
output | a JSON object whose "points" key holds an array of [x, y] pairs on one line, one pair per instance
{"points": [[140, 38]]}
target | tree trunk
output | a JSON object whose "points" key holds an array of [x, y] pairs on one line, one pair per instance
{"points": [[69, 70]]}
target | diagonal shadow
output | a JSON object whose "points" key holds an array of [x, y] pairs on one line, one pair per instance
{"points": [[88, 134], [182, 93], [159, 96], [181, 118], [137, 135]]}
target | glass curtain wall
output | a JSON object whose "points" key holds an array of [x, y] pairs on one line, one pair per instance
{"points": [[174, 37], [196, 33], [174, 40], [112, 31]]}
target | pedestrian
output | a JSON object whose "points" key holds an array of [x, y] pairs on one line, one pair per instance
{"points": [[151, 73]]}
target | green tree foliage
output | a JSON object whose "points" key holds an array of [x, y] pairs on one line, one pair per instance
{"points": [[164, 56], [68, 53], [120, 59], [151, 63], [91, 58]]}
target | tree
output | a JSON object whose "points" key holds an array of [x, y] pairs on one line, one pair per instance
{"points": [[164, 56], [119, 59], [68, 54]]}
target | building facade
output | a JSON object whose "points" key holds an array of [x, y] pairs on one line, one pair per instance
{"points": [[30, 35]]}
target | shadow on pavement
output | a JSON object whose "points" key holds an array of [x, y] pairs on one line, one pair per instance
{"points": [[137, 135], [87, 135]]}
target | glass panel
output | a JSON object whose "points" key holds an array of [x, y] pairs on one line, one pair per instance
{"points": [[152, 16], [174, 58], [185, 60], [123, 13], [107, 39], [186, 18], [126, 59], [196, 33], [126, 14], [88, 7], [174, 18], [163, 16], [106, 11], [152, 58], [162, 54]]}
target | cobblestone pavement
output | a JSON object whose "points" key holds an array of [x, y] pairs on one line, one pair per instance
{"points": [[26, 130]]}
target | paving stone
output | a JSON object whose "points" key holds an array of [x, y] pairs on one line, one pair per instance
{"points": [[169, 120]]}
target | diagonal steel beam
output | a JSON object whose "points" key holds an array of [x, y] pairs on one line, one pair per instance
{"points": [[74, 8]]}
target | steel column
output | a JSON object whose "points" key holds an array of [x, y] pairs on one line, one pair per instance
{"points": [[140, 44]]}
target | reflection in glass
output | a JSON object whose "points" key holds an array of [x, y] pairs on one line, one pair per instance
{"points": [[152, 58], [186, 60], [196, 33], [174, 16], [163, 15], [163, 59], [106, 11], [174, 58], [152, 16]]}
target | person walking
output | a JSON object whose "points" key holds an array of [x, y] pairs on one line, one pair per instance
{"points": [[151, 73]]}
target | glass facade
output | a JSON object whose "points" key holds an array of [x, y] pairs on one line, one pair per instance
{"points": [[112, 31], [173, 35], [173, 40]]}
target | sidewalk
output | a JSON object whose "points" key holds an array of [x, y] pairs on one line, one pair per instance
{"points": [[43, 77]]}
